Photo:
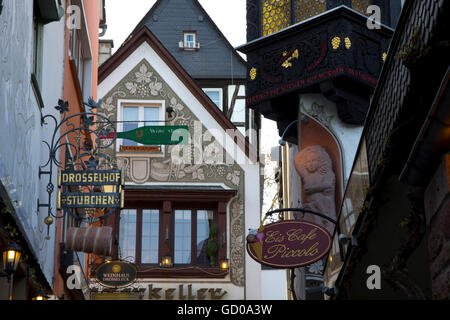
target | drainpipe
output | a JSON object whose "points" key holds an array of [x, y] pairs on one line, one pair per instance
{"points": [[103, 27]]}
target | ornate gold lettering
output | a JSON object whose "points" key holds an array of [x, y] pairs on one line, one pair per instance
{"points": [[297, 235], [190, 295], [273, 236], [201, 293], [153, 292], [169, 293], [283, 251], [180, 293], [215, 293]]}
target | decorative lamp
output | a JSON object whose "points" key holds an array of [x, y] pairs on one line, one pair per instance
{"points": [[40, 295], [224, 264], [11, 257], [166, 261]]}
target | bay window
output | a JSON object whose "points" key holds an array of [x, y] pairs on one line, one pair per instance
{"points": [[188, 226]]}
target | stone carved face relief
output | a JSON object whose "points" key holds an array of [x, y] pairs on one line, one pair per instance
{"points": [[312, 162]]}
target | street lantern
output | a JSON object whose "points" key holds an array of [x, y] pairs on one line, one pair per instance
{"points": [[166, 261], [11, 257], [40, 295]]}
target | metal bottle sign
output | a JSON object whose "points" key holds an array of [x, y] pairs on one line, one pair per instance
{"points": [[116, 274], [154, 135], [289, 244]]}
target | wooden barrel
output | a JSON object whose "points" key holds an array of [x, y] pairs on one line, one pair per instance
{"points": [[96, 240]]}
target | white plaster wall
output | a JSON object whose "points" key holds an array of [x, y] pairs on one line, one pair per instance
{"points": [[274, 284], [251, 169], [21, 150], [253, 289]]}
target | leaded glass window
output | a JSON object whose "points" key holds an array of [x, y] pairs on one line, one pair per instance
{"points": [[305, 9], [276, 15], [361, 6]]}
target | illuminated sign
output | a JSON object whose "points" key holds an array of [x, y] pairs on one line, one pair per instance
{"points": [[116, 274], [289, 244]]}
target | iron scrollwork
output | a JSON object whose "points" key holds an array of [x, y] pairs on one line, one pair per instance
{"points": [[74, 135]]}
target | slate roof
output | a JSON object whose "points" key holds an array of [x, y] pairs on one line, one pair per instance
{"points": [[216, 59]]}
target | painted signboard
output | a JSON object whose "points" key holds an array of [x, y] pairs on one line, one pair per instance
{"points": [[111, 180], [90, 200], [289, 244], [116, 274]]}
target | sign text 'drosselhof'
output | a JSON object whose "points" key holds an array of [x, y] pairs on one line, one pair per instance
{"points": [[289, 244], [111, 182], [90, 177]]}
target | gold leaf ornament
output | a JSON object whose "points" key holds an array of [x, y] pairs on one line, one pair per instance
{"points": [[348, 43], [253, 73], [336, 42]]}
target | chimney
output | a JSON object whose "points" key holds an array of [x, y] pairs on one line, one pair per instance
{"points": [[104, 50]]}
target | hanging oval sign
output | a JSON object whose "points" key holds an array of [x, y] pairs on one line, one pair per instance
{"points": [[116, 274], [289, 244]]}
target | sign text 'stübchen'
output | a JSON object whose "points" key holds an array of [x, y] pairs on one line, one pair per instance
{"points": [[90, 200], [289, 244]]}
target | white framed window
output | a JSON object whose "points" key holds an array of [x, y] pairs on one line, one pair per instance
{"points": [[134, 114], [239, 105], [216, 95], [190, 39]]}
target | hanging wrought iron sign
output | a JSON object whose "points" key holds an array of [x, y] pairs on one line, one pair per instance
{"points": [[89, 178], [116, 274], [288, 244]]}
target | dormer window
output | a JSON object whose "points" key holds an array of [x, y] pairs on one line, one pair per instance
{"points": [[189, 41]]}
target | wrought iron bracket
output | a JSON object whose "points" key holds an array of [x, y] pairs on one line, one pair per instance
{"points": [[74, 133], [304, 211], [84, 155]]}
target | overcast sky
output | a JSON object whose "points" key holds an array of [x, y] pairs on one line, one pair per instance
{"points": [[123, 15]]}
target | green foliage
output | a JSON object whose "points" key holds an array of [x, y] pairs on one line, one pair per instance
{"points": [[212, 247]]}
